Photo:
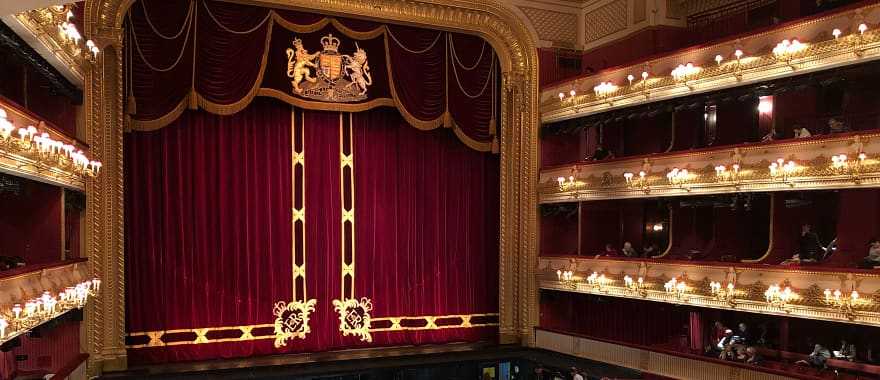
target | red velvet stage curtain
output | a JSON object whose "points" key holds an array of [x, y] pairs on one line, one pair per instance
{"points": [[427, 225], [180, 50], [208, 227]]}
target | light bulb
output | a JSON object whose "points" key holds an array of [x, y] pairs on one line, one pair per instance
{"points": [[835, 33], [718, 59]]}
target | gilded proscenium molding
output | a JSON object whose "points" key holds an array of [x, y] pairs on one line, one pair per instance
{"points": [[758, 63], [490, 19], [750, 286], [814, 159], [672, 366], [16, 160], [207, 335], [292, 318], [19, 289]]}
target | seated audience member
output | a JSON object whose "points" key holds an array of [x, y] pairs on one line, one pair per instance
{"points": [[600, 154], [651, 250], [847, 351], [818, 358], [724, 342], [752, 356], [743, 335], [873, 258], [576, 374], [628, 250], [837, 126], [801, 132], [609, 251]]}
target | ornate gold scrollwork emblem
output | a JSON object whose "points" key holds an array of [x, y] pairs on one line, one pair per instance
{"points": [[354, 317], [338, 77], [292, 320]]}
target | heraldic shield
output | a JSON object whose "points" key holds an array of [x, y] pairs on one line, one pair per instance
{"points": [[337, 77]]}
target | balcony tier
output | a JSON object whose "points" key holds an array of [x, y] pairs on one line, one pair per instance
{"points": [[751, 283], [813, 158]]}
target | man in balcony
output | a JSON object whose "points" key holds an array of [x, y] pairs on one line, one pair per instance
{"points": [[808, 245], [817, 358]]}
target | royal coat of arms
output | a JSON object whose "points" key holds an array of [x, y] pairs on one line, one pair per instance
{"points": [[329, 75]]}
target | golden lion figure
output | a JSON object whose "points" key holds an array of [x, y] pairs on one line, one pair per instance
{"points": [[358, 70], [298, 63]]}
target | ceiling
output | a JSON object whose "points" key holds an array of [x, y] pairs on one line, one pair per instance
{"points": [[8, 7]]}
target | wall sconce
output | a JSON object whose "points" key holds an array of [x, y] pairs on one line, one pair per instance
{"points": [[840, 163], [781, 170], [561, 96], [676, 288], [722, 173], [678, 177], [779, 297], [718, 59], [564, 184], [723, 294], [836, 33], [599, 281], [639, 182], [788, 50], [657, 227], [845, 303], [604, 89], [637, 286], [684, 73]]}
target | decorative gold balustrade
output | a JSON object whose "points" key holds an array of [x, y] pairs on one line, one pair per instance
{"points": [[821, 162], [750, 288], [32, 298]]}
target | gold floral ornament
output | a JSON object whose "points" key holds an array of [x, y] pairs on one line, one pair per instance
{"points": [[292, 320], [354, 317], [338, 77]]}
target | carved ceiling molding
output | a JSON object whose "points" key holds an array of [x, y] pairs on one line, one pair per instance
{"points": [[20, 48]]}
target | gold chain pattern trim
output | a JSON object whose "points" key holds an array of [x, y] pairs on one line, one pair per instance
{"points": [[292, 318], [354, 314], [208, 335]]}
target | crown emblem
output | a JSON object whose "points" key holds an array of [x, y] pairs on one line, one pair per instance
{"points": [[330, 43]]}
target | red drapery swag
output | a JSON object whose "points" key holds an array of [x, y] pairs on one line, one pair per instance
{"points": [[218, 56], [222, 210]]}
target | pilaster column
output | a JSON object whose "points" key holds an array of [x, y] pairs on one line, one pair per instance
{"points": [[103, 114]]}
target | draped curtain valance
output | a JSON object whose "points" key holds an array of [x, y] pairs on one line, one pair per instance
{"points": [[219, 56]]}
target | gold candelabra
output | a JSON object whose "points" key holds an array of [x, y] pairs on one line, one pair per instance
{"points": [[846, 303], [636, 286], [37, 144], [37, 311]]}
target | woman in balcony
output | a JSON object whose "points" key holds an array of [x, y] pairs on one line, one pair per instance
{"points": [[873, 259]]}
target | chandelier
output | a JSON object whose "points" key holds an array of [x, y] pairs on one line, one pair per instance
{"points": [[782, 170], [778, 296], [846, 303]]}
